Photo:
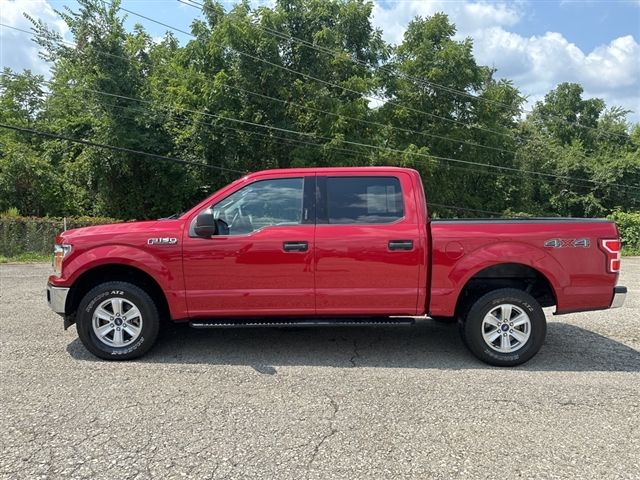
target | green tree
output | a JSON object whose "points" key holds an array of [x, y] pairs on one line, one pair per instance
{"points": [[299, 83]]}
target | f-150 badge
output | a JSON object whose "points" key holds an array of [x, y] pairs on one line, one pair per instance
{"points": [[162, 241], [563, 243]]}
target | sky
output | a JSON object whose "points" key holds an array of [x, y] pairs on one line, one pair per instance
{"points": [[535, 43]]}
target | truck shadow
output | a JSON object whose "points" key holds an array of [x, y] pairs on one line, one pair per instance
{"points": [[427, 345]]}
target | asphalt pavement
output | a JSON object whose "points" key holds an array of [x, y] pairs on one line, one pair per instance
{"points": [[352, 403]]}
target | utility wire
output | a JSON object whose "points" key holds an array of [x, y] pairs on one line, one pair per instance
{"points": [[368, 122], [384, 125], [421, 80], [325, 82], [365, 145], [270, 137], [323, 146], [332, 84], [289, 141], [114, 148], [162, 157], [364, 121], [452, 207], [287, 102]]}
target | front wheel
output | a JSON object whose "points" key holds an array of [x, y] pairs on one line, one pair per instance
{"points": [[505, 327], [117, 321]]}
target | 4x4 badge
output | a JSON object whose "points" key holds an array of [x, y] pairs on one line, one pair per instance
{"points": [[563, 243], [162, 241]]}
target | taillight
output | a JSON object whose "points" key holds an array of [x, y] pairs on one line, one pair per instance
{"points": [[612, 248]]}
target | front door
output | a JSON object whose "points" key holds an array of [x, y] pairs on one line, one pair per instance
{"points": [[263, 264], [369, 251]]}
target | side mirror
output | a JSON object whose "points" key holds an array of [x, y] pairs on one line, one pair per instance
{"points": [[206, 225]]}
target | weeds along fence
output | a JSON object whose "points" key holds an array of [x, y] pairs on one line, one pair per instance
{"points": [[20, 235]]}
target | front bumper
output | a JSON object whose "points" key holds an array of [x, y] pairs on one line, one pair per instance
{"points": [[619, 296], [57, 298]]}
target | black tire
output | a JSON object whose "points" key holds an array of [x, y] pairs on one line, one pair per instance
{"points": [[130, 293], [472, 328], [461, 315]]}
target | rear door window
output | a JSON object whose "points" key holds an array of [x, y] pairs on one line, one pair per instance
{"points": [[352, 200]]}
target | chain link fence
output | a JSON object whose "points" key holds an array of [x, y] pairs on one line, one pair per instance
{"points": [[19, 235]]}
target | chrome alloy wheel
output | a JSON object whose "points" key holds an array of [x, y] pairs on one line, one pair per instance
{"points": [[506, 328], [117, 322]]}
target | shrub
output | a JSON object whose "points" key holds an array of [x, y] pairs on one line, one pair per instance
{"points": [[629, 226]]}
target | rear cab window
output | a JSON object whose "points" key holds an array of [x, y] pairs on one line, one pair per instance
{"points": [[363, 200]]}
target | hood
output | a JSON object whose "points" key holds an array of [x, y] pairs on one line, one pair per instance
{"points": [[109, 230]]}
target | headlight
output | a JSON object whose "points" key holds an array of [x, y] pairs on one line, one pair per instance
{"points": [[59, 252]]}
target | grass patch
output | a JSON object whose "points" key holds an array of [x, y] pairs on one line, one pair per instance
{"points": [[27, 257]]}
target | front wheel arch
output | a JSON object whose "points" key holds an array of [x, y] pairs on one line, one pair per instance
{"points": [[115, 272]]}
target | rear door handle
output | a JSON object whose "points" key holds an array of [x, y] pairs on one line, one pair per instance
{"points": [[295, 246], [400, 244]]}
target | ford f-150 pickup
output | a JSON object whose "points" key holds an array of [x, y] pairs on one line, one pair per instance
{"points": [[331, 246]]}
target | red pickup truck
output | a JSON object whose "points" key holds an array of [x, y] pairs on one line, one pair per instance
{"points": [[331, 246]]}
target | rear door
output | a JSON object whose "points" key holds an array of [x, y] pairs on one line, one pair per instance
{"points": [[369, 251]]}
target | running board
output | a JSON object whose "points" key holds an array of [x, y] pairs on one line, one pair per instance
{"points": [[346, 322]]}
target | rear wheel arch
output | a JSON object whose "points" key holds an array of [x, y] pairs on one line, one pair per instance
{"points": [[514, 275], [116, 272]]}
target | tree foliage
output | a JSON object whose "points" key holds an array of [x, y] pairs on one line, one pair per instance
{"points": [[302, 83]]}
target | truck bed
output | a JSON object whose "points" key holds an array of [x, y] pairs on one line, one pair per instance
{"points": [[565, 250]]}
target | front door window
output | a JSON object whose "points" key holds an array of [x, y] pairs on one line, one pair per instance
{"points": [[266, 203]]}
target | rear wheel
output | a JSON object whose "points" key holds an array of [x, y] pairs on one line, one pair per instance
{"points": [[117, 321], [505, 327]]}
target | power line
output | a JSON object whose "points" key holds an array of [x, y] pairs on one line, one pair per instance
{"points": [[369, 122], [325, 82], [452, 207], [278, 139], [287, 102], [112, 147], [162, 157], [364, 121], [365, 145], [283, 140], [33, 34], [424, 81], [335, 85]]}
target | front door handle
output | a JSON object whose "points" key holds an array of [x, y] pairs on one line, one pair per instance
{"points": [[400, 244], [295, 246]]}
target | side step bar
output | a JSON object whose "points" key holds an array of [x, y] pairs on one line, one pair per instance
{"points": [[312, 322]]}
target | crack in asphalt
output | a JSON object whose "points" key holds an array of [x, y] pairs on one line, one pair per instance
{"points": [[332, 431]]}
